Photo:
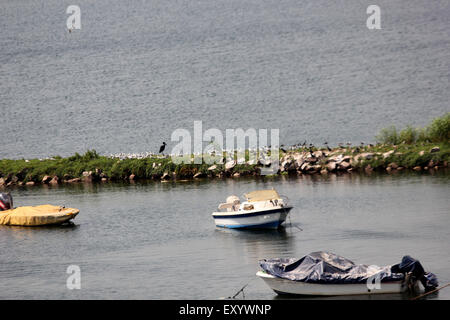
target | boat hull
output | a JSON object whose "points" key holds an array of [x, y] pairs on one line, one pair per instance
{"points": [[284, 286], [268, 219]]}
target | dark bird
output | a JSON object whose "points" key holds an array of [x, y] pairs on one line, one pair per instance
{"points": [[161, 149]]}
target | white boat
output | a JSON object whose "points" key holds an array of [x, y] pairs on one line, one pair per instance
{"points": [[262, 209], [327, 274], [284, 286]]}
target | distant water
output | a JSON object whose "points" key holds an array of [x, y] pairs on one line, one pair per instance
{"points": [[158, 240], [140, 69]]}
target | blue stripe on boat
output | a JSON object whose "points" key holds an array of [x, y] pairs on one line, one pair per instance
{"points": [[274, 224], [246, 215]]}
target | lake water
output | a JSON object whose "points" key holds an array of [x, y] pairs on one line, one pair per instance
{"points": [[158, 240], [137, 70]]}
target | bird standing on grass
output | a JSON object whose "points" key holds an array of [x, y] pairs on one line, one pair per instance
{"points": [[161, 149]]}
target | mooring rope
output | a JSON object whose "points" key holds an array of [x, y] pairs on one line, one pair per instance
{"points": [[241, 290], [291, 225], [430, 292]]}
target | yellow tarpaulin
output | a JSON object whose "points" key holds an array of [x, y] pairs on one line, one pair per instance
{"points": [[262, 195], [37, 216]]}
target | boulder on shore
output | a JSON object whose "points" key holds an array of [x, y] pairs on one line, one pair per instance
{"points": [[393, 165], [165, 176], [199, 175], [331, 166], [387, 154], [55, 180], [435, 149], [230, 165], [344, 165], [88, 176], [367, 156], [46, 179]]}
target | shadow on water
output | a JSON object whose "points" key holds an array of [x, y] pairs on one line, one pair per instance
{"points": [[268, 234], [384, 296], [66, 227], [259, 244]]}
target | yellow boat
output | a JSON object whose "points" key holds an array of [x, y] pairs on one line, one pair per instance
{"points": [[37, 216]]}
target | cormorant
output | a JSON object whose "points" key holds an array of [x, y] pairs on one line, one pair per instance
{"points": [[161, 149]]}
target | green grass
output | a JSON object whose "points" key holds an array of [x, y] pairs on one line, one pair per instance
{"points": [[407, 155], [112, 168], [437, 131]]}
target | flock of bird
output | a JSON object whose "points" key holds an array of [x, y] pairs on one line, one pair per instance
{"points": [[304, 146]]}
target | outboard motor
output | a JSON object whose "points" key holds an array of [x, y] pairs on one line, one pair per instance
{"points": [[6, 201], [414, 269], [429, 281]]}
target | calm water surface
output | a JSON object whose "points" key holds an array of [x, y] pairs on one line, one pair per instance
{"points": [[138, 70], [158, 240]]}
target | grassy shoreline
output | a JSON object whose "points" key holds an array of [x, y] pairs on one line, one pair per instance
{"points": [[92, 167]]}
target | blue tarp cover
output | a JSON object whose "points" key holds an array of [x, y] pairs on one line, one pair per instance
{"points": [[324, 267]]}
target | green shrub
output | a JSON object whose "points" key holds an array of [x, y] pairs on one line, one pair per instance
{"points": [[388, 135], [439, 129], [408, 135]]}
